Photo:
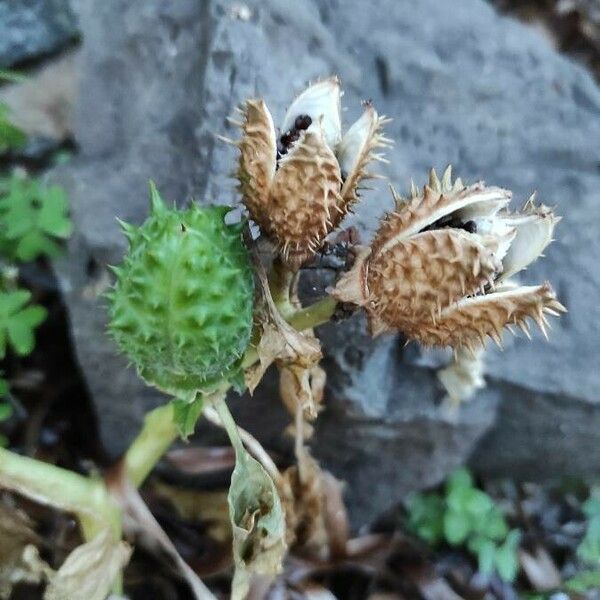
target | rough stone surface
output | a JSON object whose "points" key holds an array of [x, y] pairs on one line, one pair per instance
{"points": [[463, 86], [30, 28]]}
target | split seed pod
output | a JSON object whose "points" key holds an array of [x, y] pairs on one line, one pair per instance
{"points": [[181, 307], [438, 266], [299, 185]]}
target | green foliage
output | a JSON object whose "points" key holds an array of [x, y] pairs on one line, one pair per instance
{"points": [[583, 581], [589, 549], [465, 515], [18, 319], [186, 414], [6, 409], [11, 137], [181, 308], [12, 76], [32, 218]]}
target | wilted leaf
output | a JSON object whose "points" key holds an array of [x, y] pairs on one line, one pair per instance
{"points": [[303, 387], [279, 341], [16, 538], [257, 521], [89, 571]]}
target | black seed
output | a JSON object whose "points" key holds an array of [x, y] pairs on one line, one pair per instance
{"points": [[302, 122], [470, 226]]}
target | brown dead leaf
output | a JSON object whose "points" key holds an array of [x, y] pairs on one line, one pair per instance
{"points": [[89, 571], [16, 545], [279, 341], [316, 518]]}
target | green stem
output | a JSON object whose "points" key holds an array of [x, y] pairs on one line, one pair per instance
{"points": [[157, 434], [314, 315], [60, 488], [280, 284], [230, 426]]}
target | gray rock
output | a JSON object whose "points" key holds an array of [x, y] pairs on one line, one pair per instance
{"points": [[463, 86], [30, 28]]}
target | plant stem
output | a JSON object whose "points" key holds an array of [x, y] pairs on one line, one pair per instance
{"points": [[157, 434], [60, 488], [314, 315], [230, 426], [280, 283]]}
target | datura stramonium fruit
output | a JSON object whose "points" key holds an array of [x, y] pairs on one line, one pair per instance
{"points": [[299, 185], [438, 266], [181, 307]]}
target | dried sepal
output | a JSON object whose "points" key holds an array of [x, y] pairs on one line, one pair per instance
{"points": [[534, 227], [257, 162], [431, 205], [421, 275], [469, 322], [356, 150]]}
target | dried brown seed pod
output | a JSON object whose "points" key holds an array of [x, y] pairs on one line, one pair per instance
{"points": [[438, 266], [300, 185]]}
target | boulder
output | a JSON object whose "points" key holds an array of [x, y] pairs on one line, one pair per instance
{"points": [[31, 28], [464, 86]]}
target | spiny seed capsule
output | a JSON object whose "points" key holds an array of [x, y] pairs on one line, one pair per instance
{"points": [[181, 307]]}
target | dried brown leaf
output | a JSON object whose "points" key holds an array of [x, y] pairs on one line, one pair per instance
{"points": [[89, 571]]}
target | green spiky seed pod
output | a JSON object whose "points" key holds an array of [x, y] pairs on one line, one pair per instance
{"points": [[181, 306]]}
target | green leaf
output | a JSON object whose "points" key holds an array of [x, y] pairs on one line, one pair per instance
{"points": [[11, 136], [584, 581], [486, 556], [426, 517], [32, 218], [591, 507], [4, 387], [461, 478], [456, 527], [12, 76], [6, 411], [494, 525], [186, 415], [17, 322], [506, 557], [589, 548], [257, 521]]}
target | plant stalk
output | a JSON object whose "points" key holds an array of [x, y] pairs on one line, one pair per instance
{"points": [[47, 484], [157, 434]]}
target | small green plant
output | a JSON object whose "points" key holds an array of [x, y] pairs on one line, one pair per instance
{"points": [[33, 218], [11, 136], [466, 516], [589, 548]]}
